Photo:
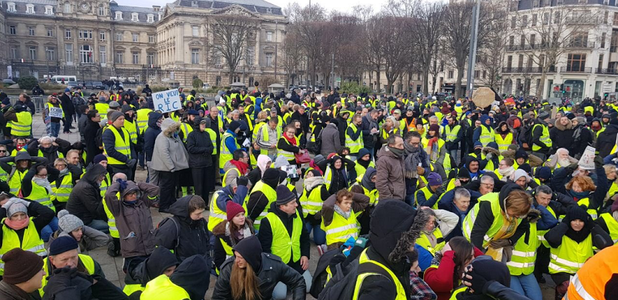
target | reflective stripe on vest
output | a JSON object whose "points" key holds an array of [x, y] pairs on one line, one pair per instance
{"points": [[217, 215], [423, 241], [401, 292], [41, 195], [15, 180], [504, 143], [451, 134], [468, 223], [544, 138], [570, 256], [354, 145], [225, 154], [31, 241], [340, 228], [162, 288], [287, 154], [312, 204], [120, 144], [111, 219], [612, 226], [524, 255], [487, 135], [270, 194], [284, 245], [62, 192], [23, 125]]}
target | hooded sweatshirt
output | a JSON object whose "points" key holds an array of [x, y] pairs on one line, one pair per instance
{"points": [[193, 275], [85, 198], [151, 134]]}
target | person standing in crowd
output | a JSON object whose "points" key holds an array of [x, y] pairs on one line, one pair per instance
{"points": [[90, 133], [266, 138], [200, 148], [229, 143], [53, 122], [69, 110], [117, 146], [331, 143], [391, 170], [23, 274], [150, 136], [169, 157], [541, 140]]}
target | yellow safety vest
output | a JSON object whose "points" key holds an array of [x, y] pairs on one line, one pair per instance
{"points": [[457, 292], [570, 256], [487, 135], [451, 134], [354, 145], [544, 137], [162, 288], [427, 194], [23, 125], [524, 254], [217, 215], [360, 170], [423, 241], [612, 226], [225, 155], [102, 108], [123, 146], [131, 128], [287, 154], [592, 212], [265, 138], [504, 143], [40, 194], [284, 245], [111, 219], [31, 241], [86, 260], [311, 202], [62, 192], [213, 139], [468, 223], [340, 229], [142, 119], [15, 180], [186, 129], [270, 194], [364, 259]]}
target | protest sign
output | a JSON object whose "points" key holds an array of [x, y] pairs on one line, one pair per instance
{"points": [[55, 112], [587, 159], [167, 101]]}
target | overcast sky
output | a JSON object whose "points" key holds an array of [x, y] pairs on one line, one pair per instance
{"points": [[340, 5]]}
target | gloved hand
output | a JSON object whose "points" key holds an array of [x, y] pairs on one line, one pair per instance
{"points": [[242, 180], [501, 243], [440, 190], [598, 161], [476, 282], [15, 200], [63, 276], [131, 163], [572, 167], [122, 183], [533, 215]]}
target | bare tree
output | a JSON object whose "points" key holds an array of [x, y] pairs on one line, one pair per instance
{"points": [[231, 34], [292, 57], [374, 53], [426, 29], [395, 48]]}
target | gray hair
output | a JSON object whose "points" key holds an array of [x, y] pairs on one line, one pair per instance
{"points": [[46, 139], [485, 179], [543, 189], [433, 118], [461, 193]]}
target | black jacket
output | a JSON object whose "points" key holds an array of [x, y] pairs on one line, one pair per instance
{"points": [[151, 133], [200, 149], [67, 105], [561, 136], [582, 137], [186, 236], [90, 133], [272, 271], [607, 140], [266, 235], [85, 201], [369, 140]]}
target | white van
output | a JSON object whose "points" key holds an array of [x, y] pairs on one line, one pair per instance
{"points": [[64, 78]]}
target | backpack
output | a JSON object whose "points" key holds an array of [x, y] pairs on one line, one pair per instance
{"points": [[316, 147], [526, 137], [343, 282], [177, 230], [98, 138]]}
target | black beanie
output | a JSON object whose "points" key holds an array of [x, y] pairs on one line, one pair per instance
{"points": [[576, 213], [463, 173], [160, 259], [234, 125], [490, 269], [389, 220], [251, 250], [284, 195], [61, 245], [271, 177]]}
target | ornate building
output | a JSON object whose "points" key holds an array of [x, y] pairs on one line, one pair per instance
{"points": [[98, 39]]}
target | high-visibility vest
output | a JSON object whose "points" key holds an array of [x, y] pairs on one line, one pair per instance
{"points": [[427, 193], [217, 215], [570, 256], [591, 211], [424, 242], [364, 259], [86, 260], [487, 135], [265, 138], [451, 134], [543, 139], [504, 143], [311, 201], [541, 233], [284, 245], [224, 180], [360, 170], [15, 180], [612, 226], [142, 119], [102, 108], [63, 191], [592, 279], [41, 195], [271, 196], [425, 142], [131, 128], [162, 288], [104, 185], [31, 241], [111, 219], [460, 290], [4, 176], [122, 145], [373, 195], [524, 254], [340, 229], [468, 223], [186, 129], [224, 154], [354, 145], [23, 125], [287, 154], [213, 138]]}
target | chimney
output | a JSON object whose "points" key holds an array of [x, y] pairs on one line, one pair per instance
{"points": [[156, 7]]}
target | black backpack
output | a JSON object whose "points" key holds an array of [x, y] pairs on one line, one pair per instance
{"points": [[526, 137], [316, 147], [98, 138]]}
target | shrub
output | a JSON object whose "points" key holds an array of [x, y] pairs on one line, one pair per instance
{"points": [[197, 83], [354, 88], [27, 82]]}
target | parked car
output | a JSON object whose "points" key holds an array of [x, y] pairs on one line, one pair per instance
{"points": [[94, 85]]}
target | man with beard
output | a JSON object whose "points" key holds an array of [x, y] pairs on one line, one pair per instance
{"points": [[416, 163], [560, 160], [391, 169]]}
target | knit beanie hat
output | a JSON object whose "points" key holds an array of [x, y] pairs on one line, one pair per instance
{"points": [[284, 195], [68, 222], [20, 266], [232, 209], [62, 244], [6, 101], [251, 250], [234, 125], [113, 116], [463, 173], [435, 128], [99, 158], [521, 154], [543, 173], [16, 208], [581, 120], [490, 269], [434, 179]]}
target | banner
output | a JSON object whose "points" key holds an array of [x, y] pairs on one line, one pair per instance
{"points": [[167, 101], [587, 159]]}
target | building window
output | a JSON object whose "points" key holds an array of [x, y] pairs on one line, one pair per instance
{"points": [[195, 30], [476, 74], [68, 51], [102, 36], [50, 53], [49, 10], [85, 54], [50, 32], [603, 37], [67, 33], [524, 21], [150, 59], [250, 56], [269, 36], [29, 8], [119, 57], [14, 52], [32, 51], [102, 11], [557, 17], [30, 30], [136, 37], [12, 30], [10, 7], [67, 8], [450, 74], [579, 39], [576, 62], [135, 56], [119, 36], [484, 74], [118, 16], [102, 54], [534, 20], [150, 18], [152, 39], [195, 56], [134, 17], [600, 66], [85, 34], [269, 59]]}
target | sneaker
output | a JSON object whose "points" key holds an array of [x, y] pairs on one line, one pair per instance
{"points": [[321, 249]]}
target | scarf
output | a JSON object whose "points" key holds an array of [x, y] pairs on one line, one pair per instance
{"points": [[241, 234], [364, 163], [17, 225], [312, 182], [340, 211], [506, 231], [412, 159], [506, 172], [292, 141], [43, 183], [242, 167]]}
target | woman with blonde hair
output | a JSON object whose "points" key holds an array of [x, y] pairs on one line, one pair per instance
{"points": [[390, 127]]}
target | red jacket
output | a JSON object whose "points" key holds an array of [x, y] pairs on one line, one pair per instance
{"points": [[440, 279]]}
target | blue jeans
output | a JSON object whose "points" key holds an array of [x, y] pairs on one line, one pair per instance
{"points": [[527, 285], [54, 129], [281, 290], [47, 231], [100, 225], [319, 236]]}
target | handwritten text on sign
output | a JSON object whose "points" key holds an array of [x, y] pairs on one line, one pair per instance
{"points": [[55, 112], [167, 101]]}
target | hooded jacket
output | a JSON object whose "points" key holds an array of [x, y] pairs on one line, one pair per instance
{"points": [[159, 260], [169, 154], [193, 275], [562, 136], [151, 133], [199, 148], [330, 140], [258, 202], [182, 234], [582, 137], [390, 179], [133, 220], [85, 199], [607, 140]]}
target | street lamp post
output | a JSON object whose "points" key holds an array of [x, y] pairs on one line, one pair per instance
{"points": [[473, 46]]}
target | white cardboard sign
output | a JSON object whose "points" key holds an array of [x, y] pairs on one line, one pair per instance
{"points": [[587, 159], [167, 101]]}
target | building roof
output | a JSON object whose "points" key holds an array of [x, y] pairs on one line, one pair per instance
{"points": [[529, 4], [257, 6]]}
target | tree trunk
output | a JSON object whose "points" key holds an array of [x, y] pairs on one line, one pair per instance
{"points": [[379, 89], [460, 71], [541, 87], [426, 81]]}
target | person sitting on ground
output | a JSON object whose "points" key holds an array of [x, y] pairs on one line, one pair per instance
{"points": [[486, 279], [23, 275], [85, 200], [88, 238], [161, 262], [189, 281], [231, 231]]}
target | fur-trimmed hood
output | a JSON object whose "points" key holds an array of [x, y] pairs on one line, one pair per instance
{"points": [[169, 126], [560, 127]]}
